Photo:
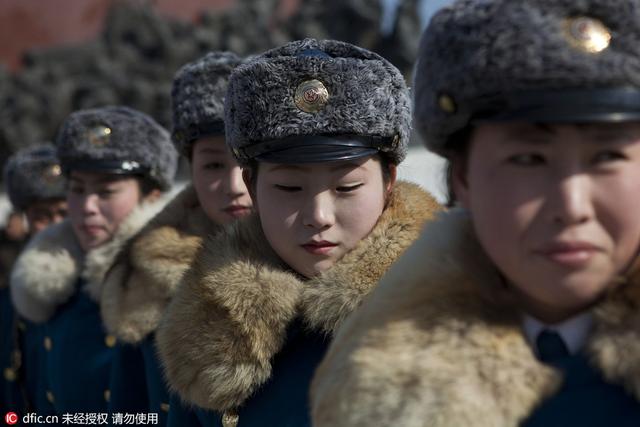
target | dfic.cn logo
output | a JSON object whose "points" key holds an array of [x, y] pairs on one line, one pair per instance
{"points": [[11, 418]]}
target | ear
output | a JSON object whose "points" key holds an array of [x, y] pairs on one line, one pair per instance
{"points": [[458, 181], [393, 176], [152, 196], [247, 177]]}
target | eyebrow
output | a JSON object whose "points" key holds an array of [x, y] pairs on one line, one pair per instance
{"points": [[523, 134], [208, 150]]}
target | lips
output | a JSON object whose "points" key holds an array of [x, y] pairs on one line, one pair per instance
{"points": [[322, 247], [92, 230], [238, 211], [570, 253]]}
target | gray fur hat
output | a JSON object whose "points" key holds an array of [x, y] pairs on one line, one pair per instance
{"points": [[316, 101], [554, 61], [197, 97], [34, 174], [117, 140]]}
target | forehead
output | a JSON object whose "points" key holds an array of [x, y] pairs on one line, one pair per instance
{"points": [[548, 133], [210, 144], [341, 167]]}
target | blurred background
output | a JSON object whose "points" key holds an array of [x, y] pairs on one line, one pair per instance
{"points": [[62, 55]]}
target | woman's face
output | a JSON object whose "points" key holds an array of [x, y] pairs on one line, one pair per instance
{"points": [[556, 208], [44, 213], [217, 179], [98, 203], [312, 214]]}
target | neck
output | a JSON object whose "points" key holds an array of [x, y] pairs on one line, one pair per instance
{"points": [[549, 314]]}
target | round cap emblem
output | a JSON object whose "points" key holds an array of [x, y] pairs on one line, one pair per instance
{"points": [[587, 34], [311, 96]]}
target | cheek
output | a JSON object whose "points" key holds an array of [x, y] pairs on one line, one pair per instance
{"points": [[502, 210], [277, 217], [115, 210], [74, 206], [357, 216], [617, 209]]}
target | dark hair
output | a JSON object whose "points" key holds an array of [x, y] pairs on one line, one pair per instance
{"points": [[147, 186], [457, 151]]}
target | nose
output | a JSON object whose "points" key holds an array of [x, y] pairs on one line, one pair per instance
{"points": [[319, 212], [235, 183], [570, 202], [90, 204], [57, 217]]}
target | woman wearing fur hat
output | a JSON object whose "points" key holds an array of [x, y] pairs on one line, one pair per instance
{"points": [[138, 289], [117, 161], [522, 307], [36, 189], [319, 128]]}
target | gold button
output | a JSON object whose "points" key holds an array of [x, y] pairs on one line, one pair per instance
{"points": [[10, 374], [447, 104], [50, 397], [110, 340], [107, 395], [164, 407], [48, 343]]}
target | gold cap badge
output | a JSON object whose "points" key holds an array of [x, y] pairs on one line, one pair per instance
{"points": [[587, 34], [311, 96], [447, 104], [51, 174], [99, 135]]}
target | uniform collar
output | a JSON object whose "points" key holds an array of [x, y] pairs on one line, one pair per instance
{"points": [[574, 331]]}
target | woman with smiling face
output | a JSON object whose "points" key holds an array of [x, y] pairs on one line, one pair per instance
{"points": [[140, 286], [521, 306], [117, 161], [319, 128]]}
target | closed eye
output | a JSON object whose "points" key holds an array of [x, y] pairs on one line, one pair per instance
{"points": [[528, 159], [608, 156], [214, 166], [348, 188], [288, 188]]}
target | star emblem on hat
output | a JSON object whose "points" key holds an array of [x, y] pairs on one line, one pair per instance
{"points": [[51, 174], [587, 34], [311, 96], [99, 135]]}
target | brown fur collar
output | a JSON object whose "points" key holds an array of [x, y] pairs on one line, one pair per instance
{"points": [[139, 287], [440, 344], [229, 317]]}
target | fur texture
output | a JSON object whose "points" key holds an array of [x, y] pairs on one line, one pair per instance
{"points": [[230, 315], [367, 96], [134, 137], [440, 344], [197, 97], [46, 273], [477, 49], [140, 285]]}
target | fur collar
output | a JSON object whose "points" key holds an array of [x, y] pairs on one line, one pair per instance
{"points": [[45, 274], [440, 343], [229, 318], [142, 282]]}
